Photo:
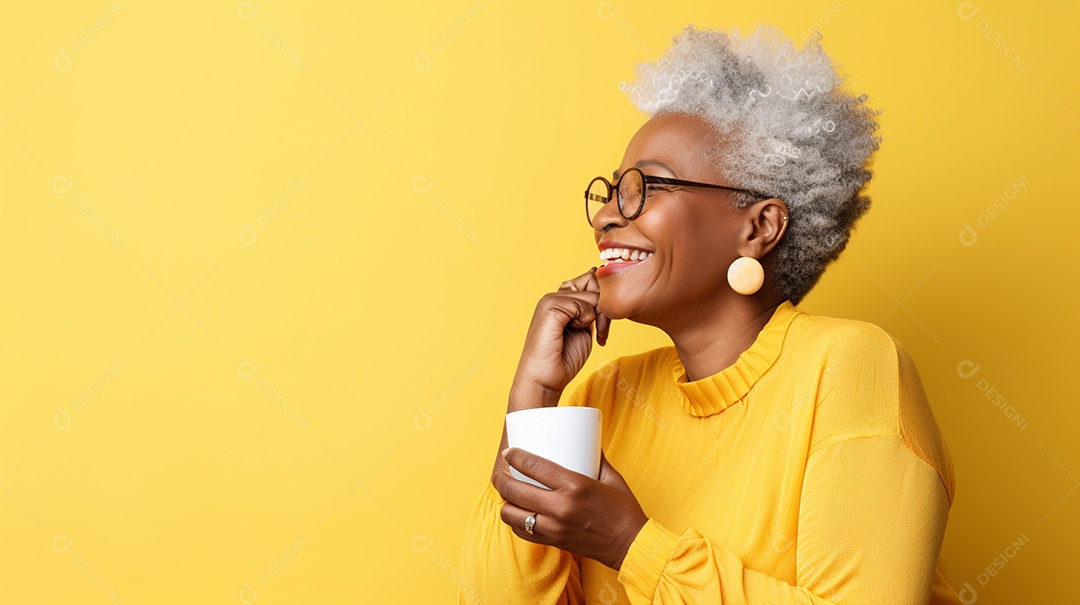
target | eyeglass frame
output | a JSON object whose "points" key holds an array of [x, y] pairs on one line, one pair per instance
{"points": [[647, 180]]}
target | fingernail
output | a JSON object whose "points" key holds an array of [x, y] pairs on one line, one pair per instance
{"points": [[504, 452]]}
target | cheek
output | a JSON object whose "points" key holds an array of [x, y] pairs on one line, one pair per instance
{"points": [[691, 239], [700, 257]]}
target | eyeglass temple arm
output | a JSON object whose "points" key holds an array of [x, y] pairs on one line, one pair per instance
{"points": [[660, 180]]}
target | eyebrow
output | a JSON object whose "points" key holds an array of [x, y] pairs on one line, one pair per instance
{"points": [[657, 163]]}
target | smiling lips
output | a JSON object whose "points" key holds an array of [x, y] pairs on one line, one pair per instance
{"points": [[620, 258], [624, 254]]}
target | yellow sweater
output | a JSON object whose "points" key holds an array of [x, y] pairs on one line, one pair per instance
{"points": [[811, 470]]}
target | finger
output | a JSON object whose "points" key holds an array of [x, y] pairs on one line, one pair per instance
{"points": [[580, 307], [515, 490], [592, 284], [606, 470], [610, 476], [583, 295], [585, 316], [541, 469], [572, 313], [521, 494], [514, 516], [502, 482], [572, 285], [603, 322], [578, 283], [603, 326]]}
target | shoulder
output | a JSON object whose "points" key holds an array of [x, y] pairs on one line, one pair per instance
{"points": [[858, 361], [858, 378], [851, 344], [869, 385]]}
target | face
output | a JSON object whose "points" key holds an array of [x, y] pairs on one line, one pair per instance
{"points": [[693, 232]]}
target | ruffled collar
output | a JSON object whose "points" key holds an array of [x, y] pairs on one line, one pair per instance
{"points": [[713, 394]]}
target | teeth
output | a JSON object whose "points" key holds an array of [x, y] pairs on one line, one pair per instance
{"points": [[624, 254]]}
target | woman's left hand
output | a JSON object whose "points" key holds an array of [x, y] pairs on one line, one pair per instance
{"points": [[590, 518]]}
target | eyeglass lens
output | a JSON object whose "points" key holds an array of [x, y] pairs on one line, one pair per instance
{"points": [[631, 195]]}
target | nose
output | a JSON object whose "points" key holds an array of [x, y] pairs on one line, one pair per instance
{"points": [[609, 217]]}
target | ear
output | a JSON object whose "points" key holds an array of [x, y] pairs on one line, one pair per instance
{"points": [[766, 223]]}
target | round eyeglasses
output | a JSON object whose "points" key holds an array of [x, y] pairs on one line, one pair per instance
{"points": [[634, 186]]}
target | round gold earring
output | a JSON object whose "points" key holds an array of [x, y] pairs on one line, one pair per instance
{"points": [[745, 275]]}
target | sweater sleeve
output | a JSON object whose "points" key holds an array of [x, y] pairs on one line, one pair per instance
{"points": [[499, 567], [871, 517], [871, 522]]}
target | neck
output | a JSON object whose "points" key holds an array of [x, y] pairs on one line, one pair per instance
{"points": [[712, 335]]}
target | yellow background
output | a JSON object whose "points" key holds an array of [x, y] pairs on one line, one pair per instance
{"points": [[268, 268]]}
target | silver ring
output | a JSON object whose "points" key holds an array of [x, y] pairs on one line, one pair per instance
{"points": [[530, 523]]}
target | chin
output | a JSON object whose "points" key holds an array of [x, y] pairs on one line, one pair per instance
{"points": [[616, 307]]}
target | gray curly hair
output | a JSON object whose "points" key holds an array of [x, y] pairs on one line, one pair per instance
{"points": [[799, 136]]}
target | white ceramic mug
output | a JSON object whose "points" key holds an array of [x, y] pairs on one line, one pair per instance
{"points": [[568, 436]]}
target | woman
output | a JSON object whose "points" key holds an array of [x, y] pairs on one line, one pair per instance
{"points": [[769, 455]]}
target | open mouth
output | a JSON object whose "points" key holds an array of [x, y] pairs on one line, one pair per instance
{"points": [[619, 259], [623, 255]]}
